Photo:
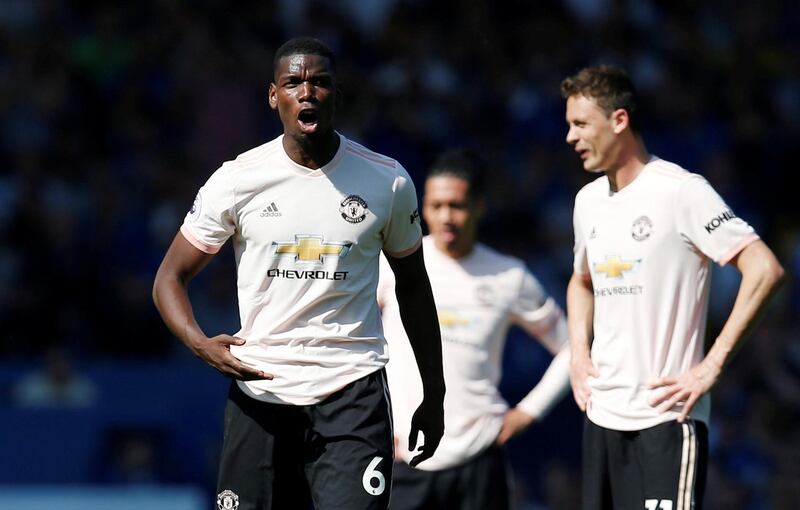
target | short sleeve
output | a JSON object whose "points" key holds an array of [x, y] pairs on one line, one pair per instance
{"points": [[711, 226], [580, 264], [210, 221], [539, 314], [403, 233]]}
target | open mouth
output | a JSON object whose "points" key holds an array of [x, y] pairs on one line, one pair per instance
{"points": [[308, 119], [447, 235]]}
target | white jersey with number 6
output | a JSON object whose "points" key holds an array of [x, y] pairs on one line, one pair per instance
{"points": [[307, 244]]}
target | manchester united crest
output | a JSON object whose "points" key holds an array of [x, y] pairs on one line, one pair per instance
{"points": [[641, 228], [227, 500], [353, 209]]}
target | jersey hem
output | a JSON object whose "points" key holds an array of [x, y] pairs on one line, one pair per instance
{"points": [[271, 398], [645, 423]]}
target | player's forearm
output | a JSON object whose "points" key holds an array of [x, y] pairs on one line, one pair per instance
{"points": [[418, 314], [761, 276], [580, 314], [172, 301], [552, 387]]}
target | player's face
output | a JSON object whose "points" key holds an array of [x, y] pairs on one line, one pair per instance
{"points": [[304, 93], [593, 133], [451, 214]]}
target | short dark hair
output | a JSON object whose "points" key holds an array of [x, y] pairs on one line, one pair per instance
{"points": [[304, 46], [610, 87], [464, 164]]}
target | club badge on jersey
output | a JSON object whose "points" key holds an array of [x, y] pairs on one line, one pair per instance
{"points": [[354, 209], [227, 500]]}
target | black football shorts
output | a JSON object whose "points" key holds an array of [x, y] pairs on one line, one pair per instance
{"points": [[660, 468], [483, 482], [335, 455]]}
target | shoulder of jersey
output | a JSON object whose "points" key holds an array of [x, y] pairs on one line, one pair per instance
{"points": [[661, 170], [669, 171], [487, 255], [256, 156], [671, 178], [598, 185], [375, 159]]}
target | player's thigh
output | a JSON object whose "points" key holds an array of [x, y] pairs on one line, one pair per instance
{"points": [[350, 474], [413, 489], [258, 469], [485, 482], [596, 473], [674, 460], [350, 467]]}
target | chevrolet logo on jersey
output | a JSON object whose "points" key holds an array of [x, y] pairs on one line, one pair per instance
{"points": [[449, 319], [614, 267], [311, 248]]}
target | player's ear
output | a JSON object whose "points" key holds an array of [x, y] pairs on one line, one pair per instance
{"points": [[620, 120], [272, 96], [480, 208], [339, 95]]}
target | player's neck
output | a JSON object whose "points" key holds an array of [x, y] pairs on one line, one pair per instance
{"points": [[458, 251], [312, 152], [633, 157]]}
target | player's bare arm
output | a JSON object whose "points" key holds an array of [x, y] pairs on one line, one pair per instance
{"points": [[181, 263], [551, 388], [514, 422], [761, 275], [580, 313], [418, 314]]}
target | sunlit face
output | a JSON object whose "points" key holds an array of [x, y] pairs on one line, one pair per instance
{"points": [[451, 214], [594, 134], [304, 93]]}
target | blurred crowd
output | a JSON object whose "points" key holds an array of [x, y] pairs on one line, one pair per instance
{"points": [[112, 114]]}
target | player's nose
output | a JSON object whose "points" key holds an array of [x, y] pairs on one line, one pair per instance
{"points": [[572, 138], [305, 91]]}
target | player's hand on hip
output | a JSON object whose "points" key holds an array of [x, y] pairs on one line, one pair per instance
{"points": [[514, 422], [428, 419], [685, 389], [581, 369], [216, 351]]}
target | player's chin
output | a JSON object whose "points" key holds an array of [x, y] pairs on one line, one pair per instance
{"points": [[592, 166]]}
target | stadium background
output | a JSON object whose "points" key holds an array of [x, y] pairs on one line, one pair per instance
{"points": [[113, 114]]}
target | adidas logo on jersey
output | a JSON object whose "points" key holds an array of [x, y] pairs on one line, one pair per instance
{"points": [[271, 211]]}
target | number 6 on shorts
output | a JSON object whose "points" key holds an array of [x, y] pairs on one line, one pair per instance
{"points": [[373, 474]]}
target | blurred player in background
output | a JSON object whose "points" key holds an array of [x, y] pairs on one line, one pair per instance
{"points": [[646, 231], [308, 417], [479, 294]]}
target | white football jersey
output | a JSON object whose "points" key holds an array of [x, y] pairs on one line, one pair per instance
{"points": [[307, 244], [647, 250], [477, 298]]}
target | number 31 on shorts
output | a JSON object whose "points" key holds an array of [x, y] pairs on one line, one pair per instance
{"points": [[373, 474], [658, 504]]}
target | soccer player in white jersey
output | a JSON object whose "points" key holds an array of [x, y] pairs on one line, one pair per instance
{"points": [[479, 294], [646, 232], [308, 418]]}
